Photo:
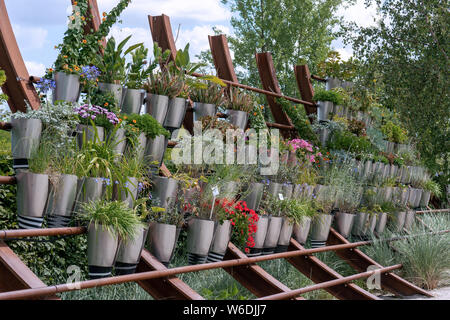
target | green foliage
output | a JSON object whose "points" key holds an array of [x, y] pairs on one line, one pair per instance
{"points": [[296, 210], [146, 124], [237, 99], [113, 216], [137, 72], [3, 97], [326, 95], [112, 62], [433, 187], [334, 67], [394, 133], [107, 100], [212, 94], [256, 118], [344, 140]]}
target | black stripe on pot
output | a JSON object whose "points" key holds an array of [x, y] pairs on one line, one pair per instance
{"points": [[20, 164], [317, 244], [30, 222], [254, 252], [166, 264], [280, 249], [121, 268], [214, 257], [54, 221], [196, 258], [96, 272], [267, 251]]}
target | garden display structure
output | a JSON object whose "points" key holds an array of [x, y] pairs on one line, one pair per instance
{"points": [[17, 281]]}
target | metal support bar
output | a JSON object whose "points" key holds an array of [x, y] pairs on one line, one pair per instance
{"points": [[303, 77], [7, 180]]}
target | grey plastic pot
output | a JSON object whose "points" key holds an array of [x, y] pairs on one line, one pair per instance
{"points": [[155, 150], [344, 223], [31, 197], [254, 197], [425, 199], [133, 101], [409, 219], [157, 107], [387, 193], [229, 190], [162, 239], [87, 133], [91, 190], [67, 87], [219, 245], [115, 89], [238, 118], [140, 147], [301, 230], [175, 113], [404, 195], [418, 198], [320, 229], [381, 222], [119, 141], [287, 190], [412, 197], [129, 252], [364, 224], [398, 220], [61, 200], [199, 238], [129, 194], [274, 189], [102, 251], [25, 137], [273, 234], [324, 110], [203, 110], [259, 236], [368, 165], [284, 239], [163, 189], [333, 83], [324, 136]]}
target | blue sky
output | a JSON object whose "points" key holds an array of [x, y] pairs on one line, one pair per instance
{"points": [[40, 25]]}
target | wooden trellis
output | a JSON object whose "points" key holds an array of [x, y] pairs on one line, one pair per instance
{"points": [[18, 281]]}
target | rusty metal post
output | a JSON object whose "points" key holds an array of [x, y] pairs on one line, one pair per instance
{"points": [[303, 77]]}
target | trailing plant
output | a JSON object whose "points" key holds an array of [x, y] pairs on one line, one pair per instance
{"points": [[105, 99], [433, 187], [111, 216], [3, 97], [256, 118], [91, 114], [325, 95], [238, 100]]}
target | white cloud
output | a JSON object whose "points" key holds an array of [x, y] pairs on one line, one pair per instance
{"points": [[30, 37], [138, 35], [199, 10], [35, 68], [359, 14]]}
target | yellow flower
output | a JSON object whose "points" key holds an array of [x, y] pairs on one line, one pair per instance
{"points": [[103, 19], [104, 14], [84, 41], [83, 18]]}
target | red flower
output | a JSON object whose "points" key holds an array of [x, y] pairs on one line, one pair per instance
{"points": [[247, 250]]}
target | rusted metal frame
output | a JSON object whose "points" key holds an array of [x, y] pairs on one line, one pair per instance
{"points": [[319, 272], [7, 126], [303, 77], [424, 224], [17, 87], [328, 284], [253, 277], [360, 262], [25, 233], [170, 288], [433, 211], [269, 82], [222, 58], [318, 78], [8, 180], [14, 274]]}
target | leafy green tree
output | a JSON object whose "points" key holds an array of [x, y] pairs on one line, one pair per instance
{"points": [[291, 30], [405, 60]]}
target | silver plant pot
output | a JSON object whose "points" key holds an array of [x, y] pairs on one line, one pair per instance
{"points": [[287, 190], [324, 136], [404, 195], [360, 223], [229, 189], [274, 189], [412, 197], [368, 165], [199, 238], [393, 170], [88, 134], [381, 222], [88, 189], [175, 114], [425, 199], [133, 101], [333, 83], [67, 87], [320, 229], [418, 198], [155, 150], [344, 223], [115, 89], [129, 252], [398, 220], [284, 239], [157, 107], [163, 189], [324, 110], [409, 219], [273, 234], [301, 230], [102, 251], [61, 201], [140, 147], [387, 193], [259, 236], [31, 197], [238, 118], [254, 197], [129, 193], [25, 137], [203, 110], [219, 245], [162, 240], [119, 141]]}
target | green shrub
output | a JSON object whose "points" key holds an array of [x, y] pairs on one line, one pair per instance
{"points": [[146, 124], [344, 140], [394, 133], [325, 95]]}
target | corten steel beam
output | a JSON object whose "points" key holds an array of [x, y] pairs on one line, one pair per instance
{"points": [[17, 86], [5, 126], [7, 180], [15, 275], [303, 77], [319, 272], [328, 284], [24, 233], [170, 288], [433, 211], [222, 57], [252, 276], [360, 262], [269, 81]]}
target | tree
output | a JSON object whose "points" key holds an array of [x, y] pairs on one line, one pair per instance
{"points": [[405, 58], [291, 30]]}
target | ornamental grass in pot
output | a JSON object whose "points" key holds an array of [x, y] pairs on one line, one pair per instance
{"points": [[325, 100], [238, 105], [206, 99], [321, 223], [302, 212], [271, 206], [430, 187], [107, 223]]}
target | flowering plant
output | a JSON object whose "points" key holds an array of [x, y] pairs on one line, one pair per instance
{"points": [[242, 219], [100, 116], [305, 150]]}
